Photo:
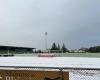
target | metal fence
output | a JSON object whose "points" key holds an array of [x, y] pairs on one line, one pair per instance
{"points": [[84, 74], [44, 73]]}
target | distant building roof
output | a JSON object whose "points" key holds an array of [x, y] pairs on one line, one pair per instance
{"points": [[15, 47]]}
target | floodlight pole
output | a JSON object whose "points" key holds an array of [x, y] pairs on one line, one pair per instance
{"points": [[46, 40]]}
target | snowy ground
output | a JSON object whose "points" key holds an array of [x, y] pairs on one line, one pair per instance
{"points": [[61, 62]]}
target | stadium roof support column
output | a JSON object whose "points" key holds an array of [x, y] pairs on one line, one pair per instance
{"points": [[8, 51]]}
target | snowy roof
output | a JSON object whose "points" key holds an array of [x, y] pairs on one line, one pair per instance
{"points": [[54, 62]]}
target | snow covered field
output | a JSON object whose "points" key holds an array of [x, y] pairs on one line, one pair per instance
{"points": [[60, 62]]}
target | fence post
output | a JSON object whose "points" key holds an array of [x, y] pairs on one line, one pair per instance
{"points": [[61, 73]]}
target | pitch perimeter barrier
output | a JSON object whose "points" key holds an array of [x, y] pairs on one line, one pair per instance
{"points": [[48, 73]]}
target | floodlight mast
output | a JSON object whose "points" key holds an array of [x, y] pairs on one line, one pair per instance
{"points": [[46, 40]]}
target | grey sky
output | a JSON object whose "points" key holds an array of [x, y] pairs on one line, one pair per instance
{"points": [[73, 22]]}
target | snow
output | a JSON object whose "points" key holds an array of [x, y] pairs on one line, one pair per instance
{"points": [[51, 62]]}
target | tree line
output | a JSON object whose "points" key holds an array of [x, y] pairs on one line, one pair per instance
{"points": [[95, 49], [58, 48]]}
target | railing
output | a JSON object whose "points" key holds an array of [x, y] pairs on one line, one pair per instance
{"points": [[48, 73]]}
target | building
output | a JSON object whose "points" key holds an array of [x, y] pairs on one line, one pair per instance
{"points": [[10, 50]]}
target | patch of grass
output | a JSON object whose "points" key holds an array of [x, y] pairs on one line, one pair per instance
{"points": [[78, 55]]}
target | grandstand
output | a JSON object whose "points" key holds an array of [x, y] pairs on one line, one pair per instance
{"points": [[11, 50]]}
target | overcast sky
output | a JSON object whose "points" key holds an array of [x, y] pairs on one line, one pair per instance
{"points": [[73, 22]]}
